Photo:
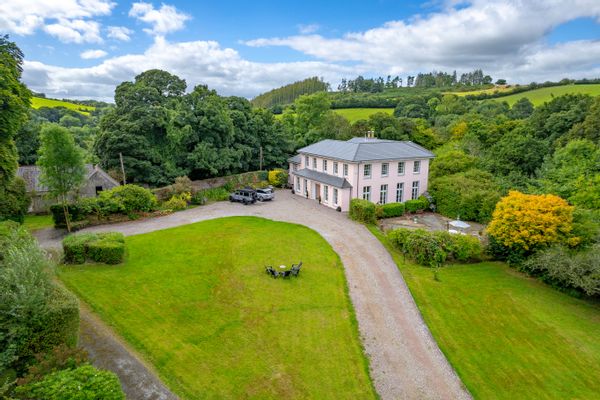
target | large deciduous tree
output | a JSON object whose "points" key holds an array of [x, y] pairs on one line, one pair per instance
{"points": [[61, 164], [14, 106]]}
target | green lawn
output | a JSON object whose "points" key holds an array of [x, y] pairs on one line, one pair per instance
{"points": [[509, 336], [37, 102], [354, 114], [196, 302], [540, 96], [37, 222]]}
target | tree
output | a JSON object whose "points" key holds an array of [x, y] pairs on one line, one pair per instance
{"points": [[14, 106], [501, 82], [525, 223], [573, 173], [522, 109], [470, 195], [61, 164]]}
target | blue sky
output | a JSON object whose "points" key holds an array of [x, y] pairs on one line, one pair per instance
{"points": [[84, 48]]}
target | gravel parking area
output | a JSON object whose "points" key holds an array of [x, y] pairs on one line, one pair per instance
{"points": [[405, 361]]}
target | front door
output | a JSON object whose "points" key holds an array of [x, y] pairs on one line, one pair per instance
{"points": [[317, 191]]}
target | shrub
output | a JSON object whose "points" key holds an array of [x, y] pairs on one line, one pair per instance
{"points": [[278, 177], [434, 248], [525, 223], [362, 211], [567, 269], [107, 247], [182, 185], [178, 202], [60, 357], [420, 204], [106, 251], [36, 314], [82, 383], [466, 248], [75, 247], [391, 210], [131, 198], [76, 213], [14, 201]]}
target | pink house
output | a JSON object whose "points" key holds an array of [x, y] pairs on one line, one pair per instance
{"points": [[382, 171]]}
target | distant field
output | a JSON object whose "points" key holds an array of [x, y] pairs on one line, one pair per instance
{"points": [[37, 102], [540, 96], [354, 114]]}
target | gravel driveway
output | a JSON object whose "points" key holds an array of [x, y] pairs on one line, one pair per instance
{"points": [[405, 361]]}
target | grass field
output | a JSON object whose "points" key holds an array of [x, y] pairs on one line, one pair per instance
{"points": [[37, 102], [540, 96], [196, 302], [36, 222], [509, 336], [354, 114], [480, 91]]}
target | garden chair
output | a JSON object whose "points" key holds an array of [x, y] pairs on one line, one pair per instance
{"points": [[286, 274], [271, 271], [296, 268]]}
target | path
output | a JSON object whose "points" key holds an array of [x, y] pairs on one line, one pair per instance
{"points": [[405, 361]]}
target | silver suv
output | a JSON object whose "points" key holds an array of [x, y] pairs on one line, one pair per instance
{"points": [[245, 196], [265, 194]]}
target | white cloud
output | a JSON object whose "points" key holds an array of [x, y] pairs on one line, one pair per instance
{"points": [[492, 34], [197, 62], [91, 54], [163, 20], [119, 33], [75, 31], [306, 29], [24, 17]]}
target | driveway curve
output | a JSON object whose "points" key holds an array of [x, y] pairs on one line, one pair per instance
{"points": [[405, 360]]}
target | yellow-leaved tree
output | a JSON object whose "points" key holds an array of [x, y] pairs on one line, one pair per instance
{"points": [[524, 222]]}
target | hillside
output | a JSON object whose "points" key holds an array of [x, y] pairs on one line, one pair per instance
{"points": [[287, 94], [354, 114], [540, 96], [38, 102]]}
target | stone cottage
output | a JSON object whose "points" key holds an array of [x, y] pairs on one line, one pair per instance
{"points": [[96, 180]]}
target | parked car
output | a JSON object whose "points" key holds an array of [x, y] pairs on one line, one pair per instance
{"points": [[246, 196], [265, 194]]}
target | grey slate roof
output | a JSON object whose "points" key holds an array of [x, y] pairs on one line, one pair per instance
{"points": [[297, 159], [335, 181], [363, 149], [31, 175]]}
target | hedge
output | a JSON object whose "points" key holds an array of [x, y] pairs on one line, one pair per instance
{"points": [[363, 211], [435, 248], [420, 204], [107, 248], [392, 210]]}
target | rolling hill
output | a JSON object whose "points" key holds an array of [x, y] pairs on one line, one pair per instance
{"points": [[38, 102], [542, 95], [354, 114]]}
